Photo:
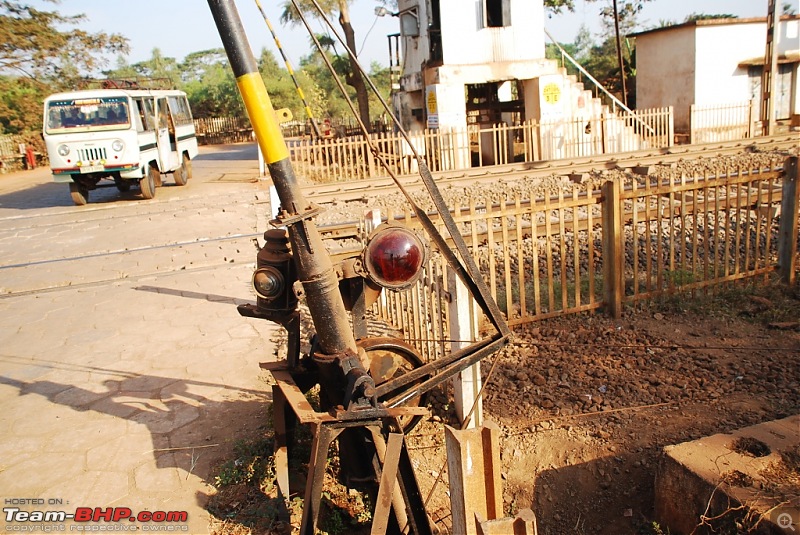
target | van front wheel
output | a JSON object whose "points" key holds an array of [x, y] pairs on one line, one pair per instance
{"points": [[79, 193], [148, 183]]}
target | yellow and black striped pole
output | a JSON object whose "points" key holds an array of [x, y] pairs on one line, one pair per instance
{"points": [[314, 266], [290, 70]]}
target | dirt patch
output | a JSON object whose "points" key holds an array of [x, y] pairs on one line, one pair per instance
{"points": [[750, 446], [620, 391], [585, 404]]}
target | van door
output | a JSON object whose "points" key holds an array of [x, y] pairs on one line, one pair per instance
{"points": [[167, 157]]}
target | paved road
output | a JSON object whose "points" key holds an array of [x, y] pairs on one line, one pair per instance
{"points": [[125, 371]]}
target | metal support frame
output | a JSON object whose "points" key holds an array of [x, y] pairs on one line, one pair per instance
{"points": [[397, 489], [335, 359]]}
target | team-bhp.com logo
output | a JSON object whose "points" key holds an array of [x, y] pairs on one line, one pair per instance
{"points": [[152, 520]]}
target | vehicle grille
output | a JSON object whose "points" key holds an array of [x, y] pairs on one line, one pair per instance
{"points": [[91, 154]]}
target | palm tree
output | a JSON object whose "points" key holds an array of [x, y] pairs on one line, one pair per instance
{"points": [[353, 77]]}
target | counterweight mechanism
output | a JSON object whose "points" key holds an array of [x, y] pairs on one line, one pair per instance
{"points": [[370, 388]]}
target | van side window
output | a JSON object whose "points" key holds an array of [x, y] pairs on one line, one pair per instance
{"points": [[138, 115], [179, 108], [163, 113], [149, 114]]}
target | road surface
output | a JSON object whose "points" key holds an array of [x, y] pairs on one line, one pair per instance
{"points": [[126, 373]]}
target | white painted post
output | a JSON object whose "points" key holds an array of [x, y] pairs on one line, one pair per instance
{"points": [[262, 165], [372, 220], [274, 202], [463, 328]]}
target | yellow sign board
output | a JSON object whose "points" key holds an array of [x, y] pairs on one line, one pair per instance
{"points": [[432, 107], [551, 93]]}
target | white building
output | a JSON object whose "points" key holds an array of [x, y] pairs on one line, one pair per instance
{"points": [[481, 63], [714, 62], [477, 62]]}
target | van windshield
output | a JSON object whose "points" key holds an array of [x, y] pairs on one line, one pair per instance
{"points": [[102, 113]]}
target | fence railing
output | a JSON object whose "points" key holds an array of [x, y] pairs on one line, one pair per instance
{"points": [[631, 240], [461, 148], [218, 130], [723, 122], [13, 148]]}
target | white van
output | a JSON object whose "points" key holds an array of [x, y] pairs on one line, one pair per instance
{"points": [[128, 136]]}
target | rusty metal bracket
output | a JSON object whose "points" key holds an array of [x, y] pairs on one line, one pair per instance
{"points": [[287, 220], [398, 490]]}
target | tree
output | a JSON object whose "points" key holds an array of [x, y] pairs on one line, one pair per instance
{"points": [[38, 56], [353, 76], [333, 102], [621, 15], [556, 6], [197, 64], [282, 91], [164, 72], [35, 47], [209, 84], [20, 104]]}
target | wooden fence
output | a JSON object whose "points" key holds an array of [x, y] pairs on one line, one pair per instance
{"points": [[630, 240], [450, 149], [724, 122], [12, 158], [218, 130], [9, 151]]}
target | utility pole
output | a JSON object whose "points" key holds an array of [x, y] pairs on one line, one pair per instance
{"points": [[619, 54], [770, 69]]}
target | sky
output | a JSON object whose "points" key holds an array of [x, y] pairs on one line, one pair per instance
{"points": [[179, 27]]}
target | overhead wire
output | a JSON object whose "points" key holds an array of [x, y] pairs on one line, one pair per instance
{"points": [[288, 64], [364, 41]]}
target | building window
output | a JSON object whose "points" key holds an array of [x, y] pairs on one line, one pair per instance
{"points": [[496, 13], [435, 34]]}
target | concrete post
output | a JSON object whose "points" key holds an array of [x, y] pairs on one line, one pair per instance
{"points": [[463, 328], [613, 280]]}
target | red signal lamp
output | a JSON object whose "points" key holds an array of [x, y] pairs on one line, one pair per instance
{"points": [[394, 256]]}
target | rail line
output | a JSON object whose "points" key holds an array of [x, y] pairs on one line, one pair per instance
{"points": [[112, 209], [356, 190]]}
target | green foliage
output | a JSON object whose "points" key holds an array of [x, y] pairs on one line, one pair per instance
{"points": [[35, 44], [705, 16], [679, 277], [20, 104], [600, 59], [166, 70], [627, 11], [282, 89], [43, 52], [253, 465], [651, 528], [351, 74], [38, 59], [557, 6]]}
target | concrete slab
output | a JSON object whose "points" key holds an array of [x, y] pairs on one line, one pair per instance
{"points": [[724, 478]]}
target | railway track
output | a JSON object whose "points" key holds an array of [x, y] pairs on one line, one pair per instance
{"points": [[375, 187], [345, 231]]}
